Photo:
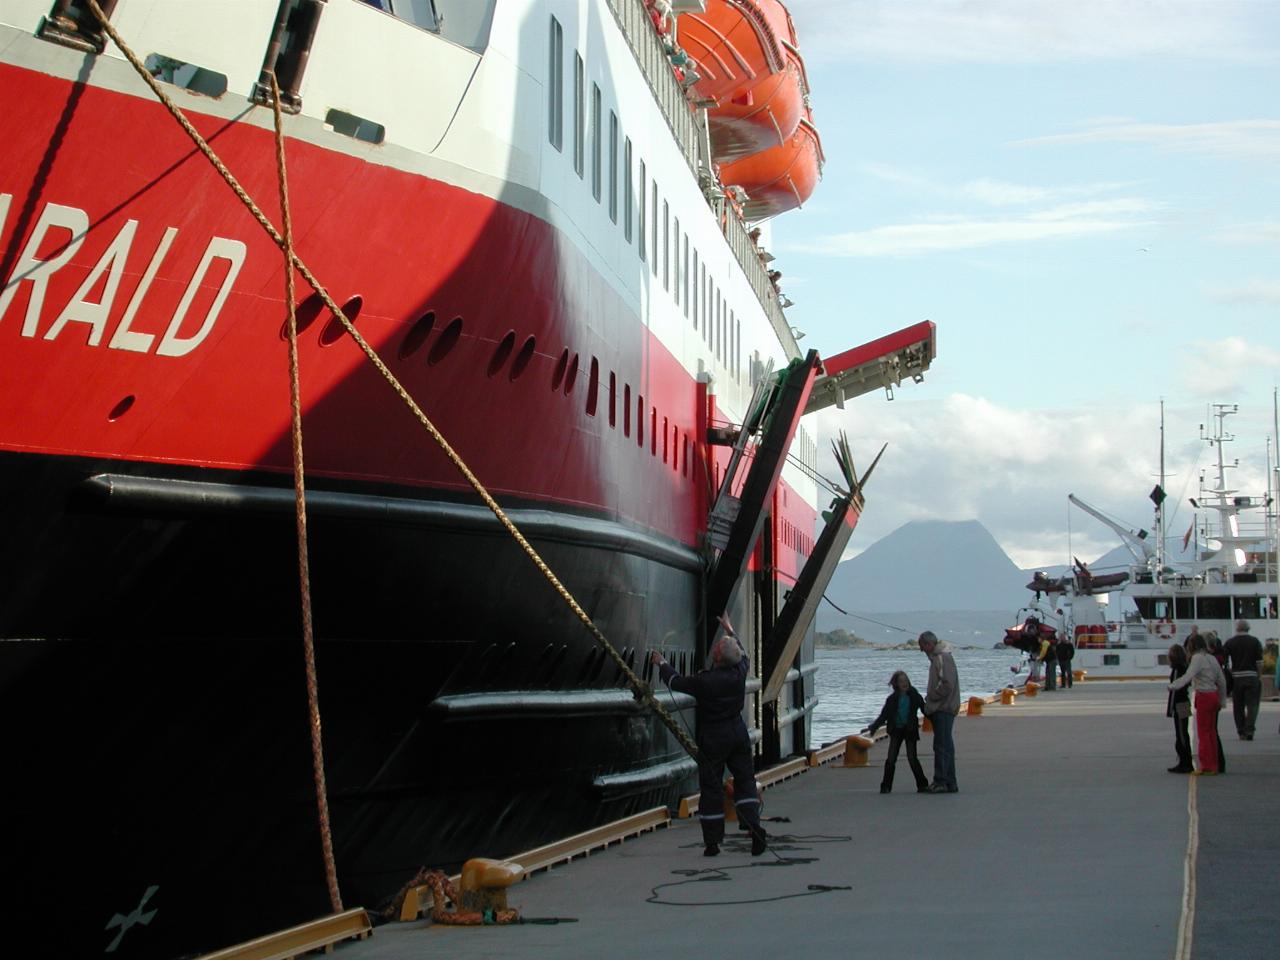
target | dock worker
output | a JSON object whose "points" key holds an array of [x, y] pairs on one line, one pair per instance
{"points": [[941, 704], [722, 739]]}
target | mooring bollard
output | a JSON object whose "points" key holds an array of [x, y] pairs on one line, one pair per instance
{"points": [[855, 750], [1007, 696], [975, 706], [1032, 688]]}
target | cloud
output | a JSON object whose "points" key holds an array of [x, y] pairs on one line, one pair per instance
{"points": [[1250, 234], [1023, 31], [1211, 366], [993, 193], [943, 234], [1243, 139], [1257, 292], [964, 458]]}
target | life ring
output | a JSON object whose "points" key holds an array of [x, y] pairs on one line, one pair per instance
{"points": [[1164, 629]]}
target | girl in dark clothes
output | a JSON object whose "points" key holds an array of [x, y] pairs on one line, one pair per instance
{"points": [[900, 716], [1179, 708]]}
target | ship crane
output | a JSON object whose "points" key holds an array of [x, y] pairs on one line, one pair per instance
{"points": [[1135, 541]]}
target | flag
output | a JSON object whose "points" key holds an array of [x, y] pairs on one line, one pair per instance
{"points": [[1186, 537]]}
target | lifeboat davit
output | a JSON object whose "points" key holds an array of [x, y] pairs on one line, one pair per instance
{"points": [[747, 63], [780, 178]]}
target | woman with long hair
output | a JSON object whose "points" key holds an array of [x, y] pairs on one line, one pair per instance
{"points": [[1209, 689]]}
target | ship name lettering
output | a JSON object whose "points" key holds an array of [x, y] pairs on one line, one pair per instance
{"points": [[80, 309]]}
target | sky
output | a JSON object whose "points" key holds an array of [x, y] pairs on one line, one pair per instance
{"points": [[1084, 196]]}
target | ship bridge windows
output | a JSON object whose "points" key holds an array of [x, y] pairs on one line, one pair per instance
{"points": [[1213, 608], [1184, 608], [1154, 608], [1248, 608], [72, 24], [555, 86], [188, 76]]}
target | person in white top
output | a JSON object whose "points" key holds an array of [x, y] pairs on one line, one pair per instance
{"points": [[1209, 686]]}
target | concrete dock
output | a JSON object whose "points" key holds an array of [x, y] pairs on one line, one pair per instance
{"points": [[1068, 839]]}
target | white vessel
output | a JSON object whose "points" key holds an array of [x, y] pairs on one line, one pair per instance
{"points": [[1227, 572]]}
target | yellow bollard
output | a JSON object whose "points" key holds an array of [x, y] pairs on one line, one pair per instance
{"points": [[1078, 675], [975, 706], [1007, 696], [1032, 688], [855, 750]]}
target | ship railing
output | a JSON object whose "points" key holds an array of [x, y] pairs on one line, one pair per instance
{"points": [[688, 127]]}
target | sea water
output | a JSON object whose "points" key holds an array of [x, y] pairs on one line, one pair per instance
{"points": [[852, 684]]}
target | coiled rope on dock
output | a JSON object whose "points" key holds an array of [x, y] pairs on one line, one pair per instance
{"points": [[642, 691]]}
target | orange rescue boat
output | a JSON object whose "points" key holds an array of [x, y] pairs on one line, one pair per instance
{"points": [[780, 178]]}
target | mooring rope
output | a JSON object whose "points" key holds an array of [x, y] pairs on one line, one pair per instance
{"points": [[300, 512], [643, 692]]}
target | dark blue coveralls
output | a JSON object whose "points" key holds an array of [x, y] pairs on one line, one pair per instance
{"points": [[722, 741]]}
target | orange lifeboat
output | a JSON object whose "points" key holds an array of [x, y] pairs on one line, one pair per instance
{"points": [[747, 63], [780, 178]]}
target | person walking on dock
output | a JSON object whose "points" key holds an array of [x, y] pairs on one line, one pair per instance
{"points": [[1244, 653], [722, 739], [1179, 708], [1209, 685], [899, 715], [941, 704]]}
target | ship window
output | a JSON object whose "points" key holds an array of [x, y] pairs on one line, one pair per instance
{"points": [[523, 357], [626, 409], [593, 388], [1184, 608], [1248, 608], [613, 399], [555, 87], [333, 330], [694, 290], [188, 76], [579, 116], [596, 136], [571, 376], [628, 191], [639, 420], [640, 237], [653, 431], [684, 273], [666, 246], [72, 24], [288, 52], [675, 260], [358, 128], [502, 352], [121, 408], [447, 340], [684, 460], [654, 211], [1111, 659], [417, 335], [557, 377], [737, 351], [613, 166], [1213, 608], [664, 437], [305, 314]]}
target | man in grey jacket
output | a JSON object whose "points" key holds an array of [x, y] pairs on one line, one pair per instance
{"points": [[941, 704]]}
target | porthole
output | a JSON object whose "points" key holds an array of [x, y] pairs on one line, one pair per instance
{"points": [[502, 352], [417, 335], [523, 357], [333, 330], [121, 408], [305, 314], [557, 378], [571, 376], [447, 340]]}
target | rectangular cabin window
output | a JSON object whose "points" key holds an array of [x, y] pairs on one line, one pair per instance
{"points": [[628, 192], [1210, 608], [1248, 608], [626, 408], [613, 166], [654, 262], [613, 399], [597, 135], [579, 116], [555, 87], [684, 460], [639, 420], [642, 240], [737, 351], [653, 431], [1184, 608], [668, 263], [695, 290], [665, 426], [684, 273], [675, 259]]}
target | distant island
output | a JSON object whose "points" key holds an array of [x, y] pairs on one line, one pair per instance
{"points": [[844, 640]]}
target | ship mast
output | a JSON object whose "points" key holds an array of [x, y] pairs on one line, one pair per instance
{"points": [[1159, 500]]}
